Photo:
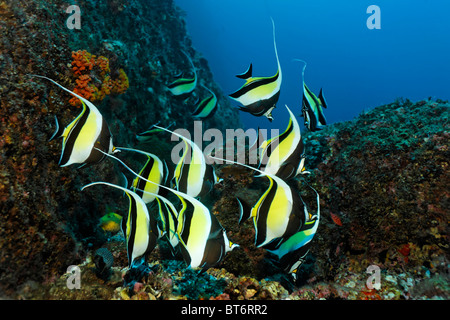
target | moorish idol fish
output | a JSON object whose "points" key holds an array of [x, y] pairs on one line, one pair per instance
{"points": [[283, 155], [88, 130], [277, 214], [169, 219], [144, 136], [207, 107], [192, 174], [259, 95], [198, 233], [140, 230], [291, 253], [312, 109], [184, 86], [154, 170], [204, 241]]}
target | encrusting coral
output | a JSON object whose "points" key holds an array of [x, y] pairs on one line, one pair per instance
{"points": [[86, 67]]}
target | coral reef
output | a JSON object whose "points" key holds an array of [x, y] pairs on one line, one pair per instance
{"points": [[46, 224], [412, 263], [87, 67], [385, 175], [382, 177]]}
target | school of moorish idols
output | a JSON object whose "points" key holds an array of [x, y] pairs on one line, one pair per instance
{"points": [[284, 224]]}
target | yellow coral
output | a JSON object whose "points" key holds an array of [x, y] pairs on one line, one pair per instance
{"points": [[121, 84]]}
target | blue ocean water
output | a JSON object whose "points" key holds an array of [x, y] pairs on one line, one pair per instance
{"points": [[359, 68]]}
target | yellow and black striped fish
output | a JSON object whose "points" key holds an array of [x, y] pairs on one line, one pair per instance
{"points": [[207, 107], [259, 95], [198, 233], [292, 251], [154, 170], [283, 155], [140, 230], [169, 220], [183, 86], [312, 109], [192, 174], [168, 216], [83, 135], [277, 214]]}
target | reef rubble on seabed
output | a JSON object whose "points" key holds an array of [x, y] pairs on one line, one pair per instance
{"points": [[400, 253]]}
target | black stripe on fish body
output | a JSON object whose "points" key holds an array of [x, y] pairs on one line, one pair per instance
{"points": [[103, 143], [185, 232], [180, 82], [208, 181], [297, 216], [214, 252], [254, 85], [278, 140], [322, 99], [132, 215], [294, 225], [311, 95], [187, 219], [184, 174], [185, 254], [169, 215], [262, 214], [259, 108], [153, 236], [215, 246], [312, 123], [290, 166], [145, 172], [73, 136], [202, 107], [321, 116]]}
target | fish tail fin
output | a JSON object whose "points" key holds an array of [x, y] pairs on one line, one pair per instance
{"points": [[59, 130], [245, 210]]}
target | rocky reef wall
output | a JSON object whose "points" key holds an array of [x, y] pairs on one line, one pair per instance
{"points": [[383, 178], [123, 55]]}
